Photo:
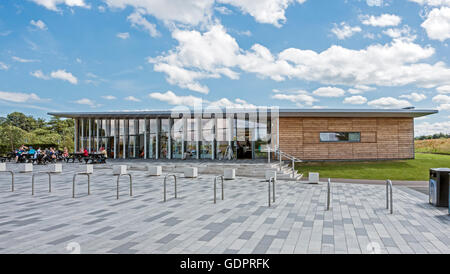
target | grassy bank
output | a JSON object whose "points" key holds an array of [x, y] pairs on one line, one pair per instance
{"points": [[407, 170], [433, 146]]}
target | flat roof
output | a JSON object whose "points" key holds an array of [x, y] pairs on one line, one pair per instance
{"points": [[394, 113]]}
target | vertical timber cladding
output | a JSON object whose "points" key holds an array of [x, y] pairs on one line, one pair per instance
{"points": [[381, 138]]}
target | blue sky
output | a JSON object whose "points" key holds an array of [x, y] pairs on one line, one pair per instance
{"points": [[103, 55]]}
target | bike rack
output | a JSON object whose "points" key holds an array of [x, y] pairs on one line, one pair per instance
{"points": [[272, 179], [49, 181], [165, 179], [12, 179], [389, 196], [328, 193], [215, 187], [89, 183], [131, 184]]}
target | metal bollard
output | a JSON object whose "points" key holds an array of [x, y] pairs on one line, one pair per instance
{"points": [[175, 180], [271, 179], [131, 184], [328, 194], [215, 187], [389, 195]]}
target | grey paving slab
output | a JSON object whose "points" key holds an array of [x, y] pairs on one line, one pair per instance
{"points": [[243, 223]]}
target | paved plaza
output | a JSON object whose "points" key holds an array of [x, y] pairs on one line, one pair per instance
{"points": [[297, 222]]}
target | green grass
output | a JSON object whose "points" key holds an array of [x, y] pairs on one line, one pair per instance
{"points": [[407, 170]]}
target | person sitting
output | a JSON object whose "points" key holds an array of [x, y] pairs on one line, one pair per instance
{"points": [[32, 154], [104, 152], [65, 154]]}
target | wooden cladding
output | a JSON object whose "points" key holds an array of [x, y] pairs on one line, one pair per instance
{"points": [[381, 138]]}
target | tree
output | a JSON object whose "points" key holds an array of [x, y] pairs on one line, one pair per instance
{"points": [[22, 121], [12, 135]]}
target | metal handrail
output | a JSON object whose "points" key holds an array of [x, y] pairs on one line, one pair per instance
{"points": [[293, 159], [328, 193], [389, 200], [165, 179], [49, 181], [73, 183], [215, 187], [12, 178], [272, 179], [131, 184]]}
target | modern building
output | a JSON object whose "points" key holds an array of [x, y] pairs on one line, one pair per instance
{"points": [[325, 134]]}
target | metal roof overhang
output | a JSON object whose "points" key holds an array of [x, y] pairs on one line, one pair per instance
{"points": [[356, 113]]}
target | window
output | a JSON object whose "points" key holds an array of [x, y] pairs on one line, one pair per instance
{"points": [[340, 137]]}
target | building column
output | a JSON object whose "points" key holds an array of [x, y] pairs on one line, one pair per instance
{"points": [[126, 135], [213, 142], [75, 136], [98, 133], [145, 138], [169, 141], [158, 132], [82, 135], [198, 136], [116, 137], [183, 137]]}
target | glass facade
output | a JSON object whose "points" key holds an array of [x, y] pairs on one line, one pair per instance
{"points": [[240, 136]]}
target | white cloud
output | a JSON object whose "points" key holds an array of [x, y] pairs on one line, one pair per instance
{"points": [[123, 35], [132, 99], [301, 98], [427, 128], [86, 101], [444, 107], [39, 24], [443, 89], [223, 10], [377, 3], [432, 2], [109, 97], [190, 12], [359, 89], [405, 33], [437, 24], [383, 20], [264, 11], [344, 31], [173, 99], [137, 20], [53, 4], [39, 74], [3, 66], [226, 103], [22, 60], [329, 92], [214, 53], [389, 103], [65, 76], [18, 97], [441, 99], [416, 97], [355, 100]]}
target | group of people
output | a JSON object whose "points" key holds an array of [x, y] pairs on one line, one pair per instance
{"points": [[29, 154]]}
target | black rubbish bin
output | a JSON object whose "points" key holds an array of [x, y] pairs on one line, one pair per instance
{"points": [[439, 186]]}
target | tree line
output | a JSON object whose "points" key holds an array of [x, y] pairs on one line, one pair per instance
{"points": [[17, 129], [434, 136]]}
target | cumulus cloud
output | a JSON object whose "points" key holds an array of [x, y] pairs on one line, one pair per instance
{"points": [[132, 99], [416, 97], [138, 21], [301, 98], [190, 12], [383, 20], [39, 74], [437, 24], [214, 53], [359, 89], [432, 2], [355, 100], [123, 35], [389, 103], [344, 31], [18, 97], [86, 101], [109, 97], [329, 92], [65, 76], [443, 89], [372, 3], [441, 99], [173, 99], [427, 128], [53, 4], [39, 24], [3, 66], [264, 11]]}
